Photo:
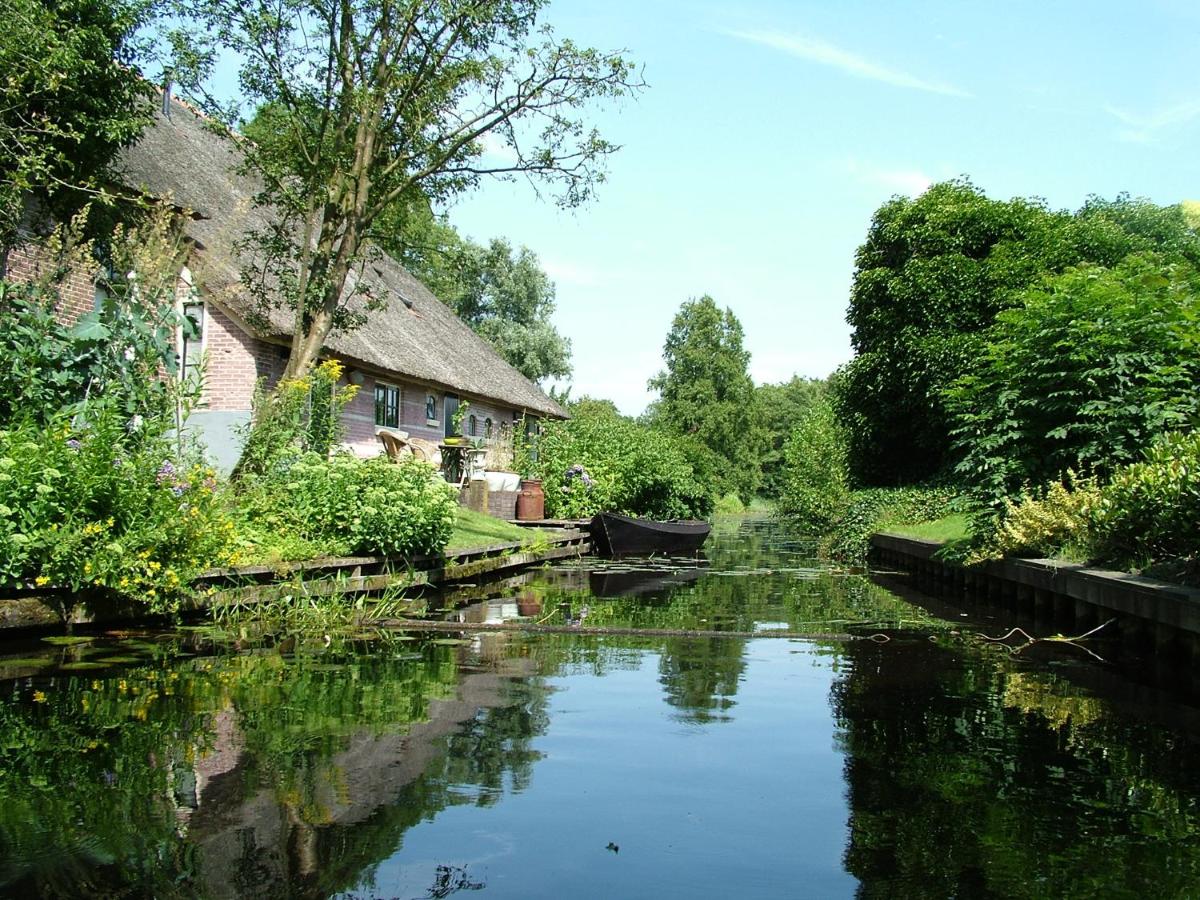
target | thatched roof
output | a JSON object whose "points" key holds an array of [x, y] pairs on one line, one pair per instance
{"points": [[415, 335]]}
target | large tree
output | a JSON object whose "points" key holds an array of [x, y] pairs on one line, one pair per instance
{"points": [[503, 295], [705, 391], [381, 102], [778, 407], [70, 98], [929, 281]]}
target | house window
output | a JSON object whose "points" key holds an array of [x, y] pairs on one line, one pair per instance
{"points": [[387, 405], [430, 409], [472, 426], [487, 428], [192, 351]]}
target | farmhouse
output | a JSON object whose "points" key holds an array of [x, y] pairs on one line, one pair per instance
{"points": [[415, 362]]}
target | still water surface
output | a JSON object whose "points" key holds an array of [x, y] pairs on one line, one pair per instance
{"points": [[929, 763]]}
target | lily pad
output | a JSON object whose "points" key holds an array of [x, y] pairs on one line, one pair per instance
{"points": [[82, 665], [447, 642], [66, 640], [123, 660]]}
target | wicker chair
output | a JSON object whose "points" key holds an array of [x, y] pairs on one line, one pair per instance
{"points": [[396, 445]]}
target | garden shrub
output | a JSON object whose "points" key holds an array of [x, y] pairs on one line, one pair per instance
{"points": [[299, 415], [371, 506], [105, 506], [1056, 520], [1082, 375], [116, 353], [631, 468], [1150, 510], [873, 509]]}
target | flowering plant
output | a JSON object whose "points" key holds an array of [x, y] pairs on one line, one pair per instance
{"points": [[578, 472]]}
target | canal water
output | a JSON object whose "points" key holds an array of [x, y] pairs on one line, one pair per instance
{"points": [[891, 752]]}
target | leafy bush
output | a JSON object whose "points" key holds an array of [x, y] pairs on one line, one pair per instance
{"points": [[299, 415], [1083, 375], [929, 280], [873, 509], [115, 353], [1151, 510], [816, 485], [632, 469], [98, 507], [364, 506], [1055, 520]]}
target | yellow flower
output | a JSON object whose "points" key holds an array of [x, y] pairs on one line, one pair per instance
{"points": [[41, 581], [39, 697]]}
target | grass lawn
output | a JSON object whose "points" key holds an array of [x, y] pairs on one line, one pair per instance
{"points": [[474, 529], [954, 527]]}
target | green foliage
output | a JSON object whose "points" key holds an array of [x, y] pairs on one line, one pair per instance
{"points": [[1082, 375], [96, 505], [1054, 521], [114, 353], [301, 415], [707, 394], [729, 505], [632, 469], [1150, 510], [816, 487], [930, 279], [371, 506], [874, 509], [778, 407], [70, 98]]}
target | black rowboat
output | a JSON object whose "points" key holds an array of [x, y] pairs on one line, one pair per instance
{"points": [[617, 535], [641, 582]]}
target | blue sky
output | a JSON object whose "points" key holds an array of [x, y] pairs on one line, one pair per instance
{"points": [[771, 132]]}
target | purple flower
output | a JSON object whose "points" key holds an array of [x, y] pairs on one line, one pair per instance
{"points": [[166, 472], [178, 488], [578, 471], [74, 445]]}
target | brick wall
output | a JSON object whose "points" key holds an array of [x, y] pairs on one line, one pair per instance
{"points": [[236, 361], [503, 504], [77, 292]]}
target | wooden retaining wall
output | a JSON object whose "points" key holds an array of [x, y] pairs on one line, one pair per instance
{"points": [[1148, 612], [324, 577]]}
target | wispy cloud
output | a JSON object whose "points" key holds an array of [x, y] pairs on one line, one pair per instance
{"points": [[912, 182], [826, 54], [1144, 128], [570, 273]]}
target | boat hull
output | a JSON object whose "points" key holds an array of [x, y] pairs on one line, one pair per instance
{"points": [[617, 535]]}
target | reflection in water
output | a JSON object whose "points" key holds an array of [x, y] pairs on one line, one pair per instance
{"points": [[967, 778], [510, 764]]}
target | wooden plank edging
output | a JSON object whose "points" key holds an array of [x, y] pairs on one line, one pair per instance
{"points": [[1150, 599], [52, 609]]}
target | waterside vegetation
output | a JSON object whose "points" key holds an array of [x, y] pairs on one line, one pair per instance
{"points": [[1023, 377]]}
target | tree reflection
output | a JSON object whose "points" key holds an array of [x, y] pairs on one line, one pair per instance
{"points": [[700, 676], [966, 778]]}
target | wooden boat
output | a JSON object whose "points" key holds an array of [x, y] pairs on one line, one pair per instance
{"points": [[617, 535], [641, 582]]}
